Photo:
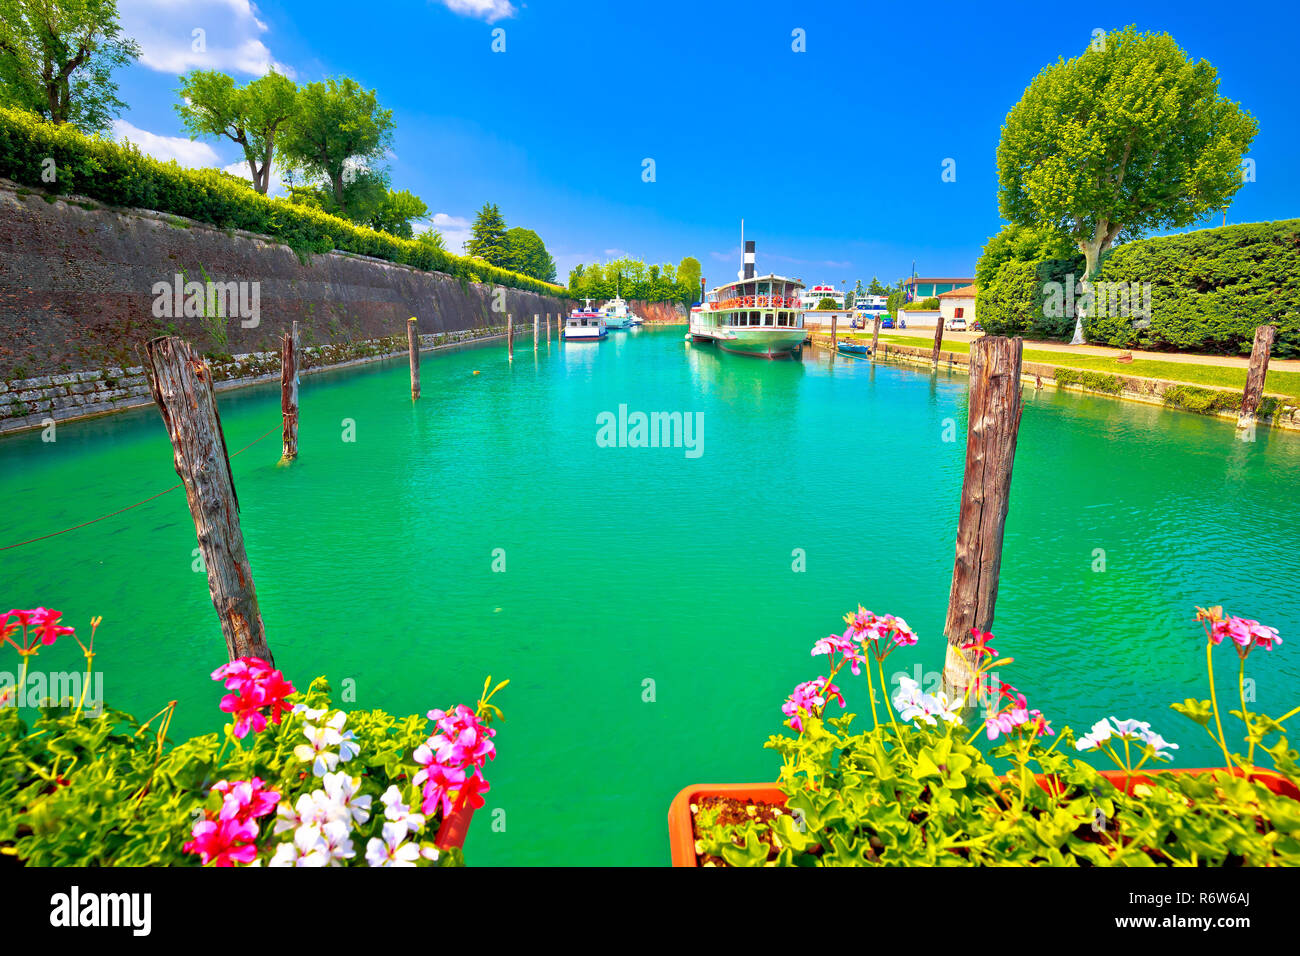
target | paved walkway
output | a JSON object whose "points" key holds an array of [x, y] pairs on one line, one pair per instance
{"points": [[1101, 351]]}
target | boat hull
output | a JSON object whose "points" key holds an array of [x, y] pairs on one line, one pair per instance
{"points": [[763, 342]]}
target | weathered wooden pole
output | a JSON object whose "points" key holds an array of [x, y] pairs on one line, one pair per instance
{"points": [[1254, 392], [875, 337], [535, 321], [835, 324], [938, 342], [985, 493], [289, 394], [548, 327], [182, 388], [510, 336], [413, 343]]}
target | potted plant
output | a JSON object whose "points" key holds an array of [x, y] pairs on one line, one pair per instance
{"points": [[913, 789], [291, 780]]}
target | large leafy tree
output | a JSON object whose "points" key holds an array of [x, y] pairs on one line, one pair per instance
{"points": [[249, 116], [487, 236], [1131, 136], [57, 58], [688, 278], [526, 253], [877, 287], [337, 135]]}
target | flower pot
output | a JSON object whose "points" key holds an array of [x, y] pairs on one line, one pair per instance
{"points": [[681, 830], [452, 832]]}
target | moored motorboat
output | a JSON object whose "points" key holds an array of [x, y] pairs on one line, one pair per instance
{"points": [[853, 348], [585, 325]]}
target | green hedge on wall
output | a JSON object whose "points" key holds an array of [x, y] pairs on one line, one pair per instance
{"points": [[1209, 290], [120, 175]]}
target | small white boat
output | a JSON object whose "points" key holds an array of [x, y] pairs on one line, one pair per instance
{"points": [[585, 325], [617, 314]]}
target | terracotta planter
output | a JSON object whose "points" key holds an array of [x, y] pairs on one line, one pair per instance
{"points": [[452, 832], [681, 832]]}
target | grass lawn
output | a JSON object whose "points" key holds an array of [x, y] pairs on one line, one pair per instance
{"points": [[1210, 376]]}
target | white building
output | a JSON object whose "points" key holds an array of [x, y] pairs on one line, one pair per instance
{"points": [[958, 304]]}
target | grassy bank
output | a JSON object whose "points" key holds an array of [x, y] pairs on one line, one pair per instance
{"points": [[1209, 376]]}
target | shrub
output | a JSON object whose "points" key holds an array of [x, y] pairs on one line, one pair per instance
{"points": [[291, 781], [121, 175], [1210, 289], [921, 305], [913, 789], [1093, 381]]}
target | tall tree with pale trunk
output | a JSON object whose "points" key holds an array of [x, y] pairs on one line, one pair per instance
{"points": [[1131, 136], [249, 116]]}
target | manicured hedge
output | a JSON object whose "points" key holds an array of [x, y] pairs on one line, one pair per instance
{"points": [[1209, 291], [120, 175], [1012, 304]]}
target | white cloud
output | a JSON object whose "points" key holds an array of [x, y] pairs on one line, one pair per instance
{"points": [[488, 10], [205, 34], [454, 229], [185, 151]]}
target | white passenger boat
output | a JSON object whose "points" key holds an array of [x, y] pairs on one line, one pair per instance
{"points": [[755, 315], [585, 324]]}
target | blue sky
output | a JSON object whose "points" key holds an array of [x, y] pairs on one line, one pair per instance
{"points": [[833, 156]]}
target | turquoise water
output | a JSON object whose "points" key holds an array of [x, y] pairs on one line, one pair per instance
{"points": [[373, 559]]}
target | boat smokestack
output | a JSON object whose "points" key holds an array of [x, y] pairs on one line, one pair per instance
{"points": [[749, 258]]}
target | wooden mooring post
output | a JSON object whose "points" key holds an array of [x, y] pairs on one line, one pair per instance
{"points": [[289, 394], [875, 337], [413, 343], [181, 384], [835, 324], [985, 494], [938, 342], [510, 336], [1255, 378], [535, 322], [548, 328]]}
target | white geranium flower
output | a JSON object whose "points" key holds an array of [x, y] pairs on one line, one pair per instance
{"points": [[391, 850]]}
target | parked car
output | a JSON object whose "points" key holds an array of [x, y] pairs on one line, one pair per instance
{"points": [[887, 322], [955, 325]]}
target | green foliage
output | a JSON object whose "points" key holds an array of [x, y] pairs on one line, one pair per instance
{"points": [[251, 116], [1093, 381], [527, 255], [689, 274], [1129, 137], [57, 59], [1015, 243], [827, 305], [337, 131], [876, 288], [921, 305], [927, 796], [488, 236], [77, 790], [633, 279], [1210, 289], [121, 175]]}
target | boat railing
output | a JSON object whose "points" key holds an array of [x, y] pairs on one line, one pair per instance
{"points": [[756, 301]]}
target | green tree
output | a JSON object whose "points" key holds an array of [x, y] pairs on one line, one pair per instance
{"points": [[1131, 136], [57, 57], [877, 287], [433, 239], [526, 254], [338, 133], [250, 116], [487, 236], [688, 278]]}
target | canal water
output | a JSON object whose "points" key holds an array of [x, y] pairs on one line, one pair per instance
{"points": [[650, 615]]}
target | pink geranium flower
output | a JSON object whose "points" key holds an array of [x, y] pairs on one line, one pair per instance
{"points": [[257, 687]]}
